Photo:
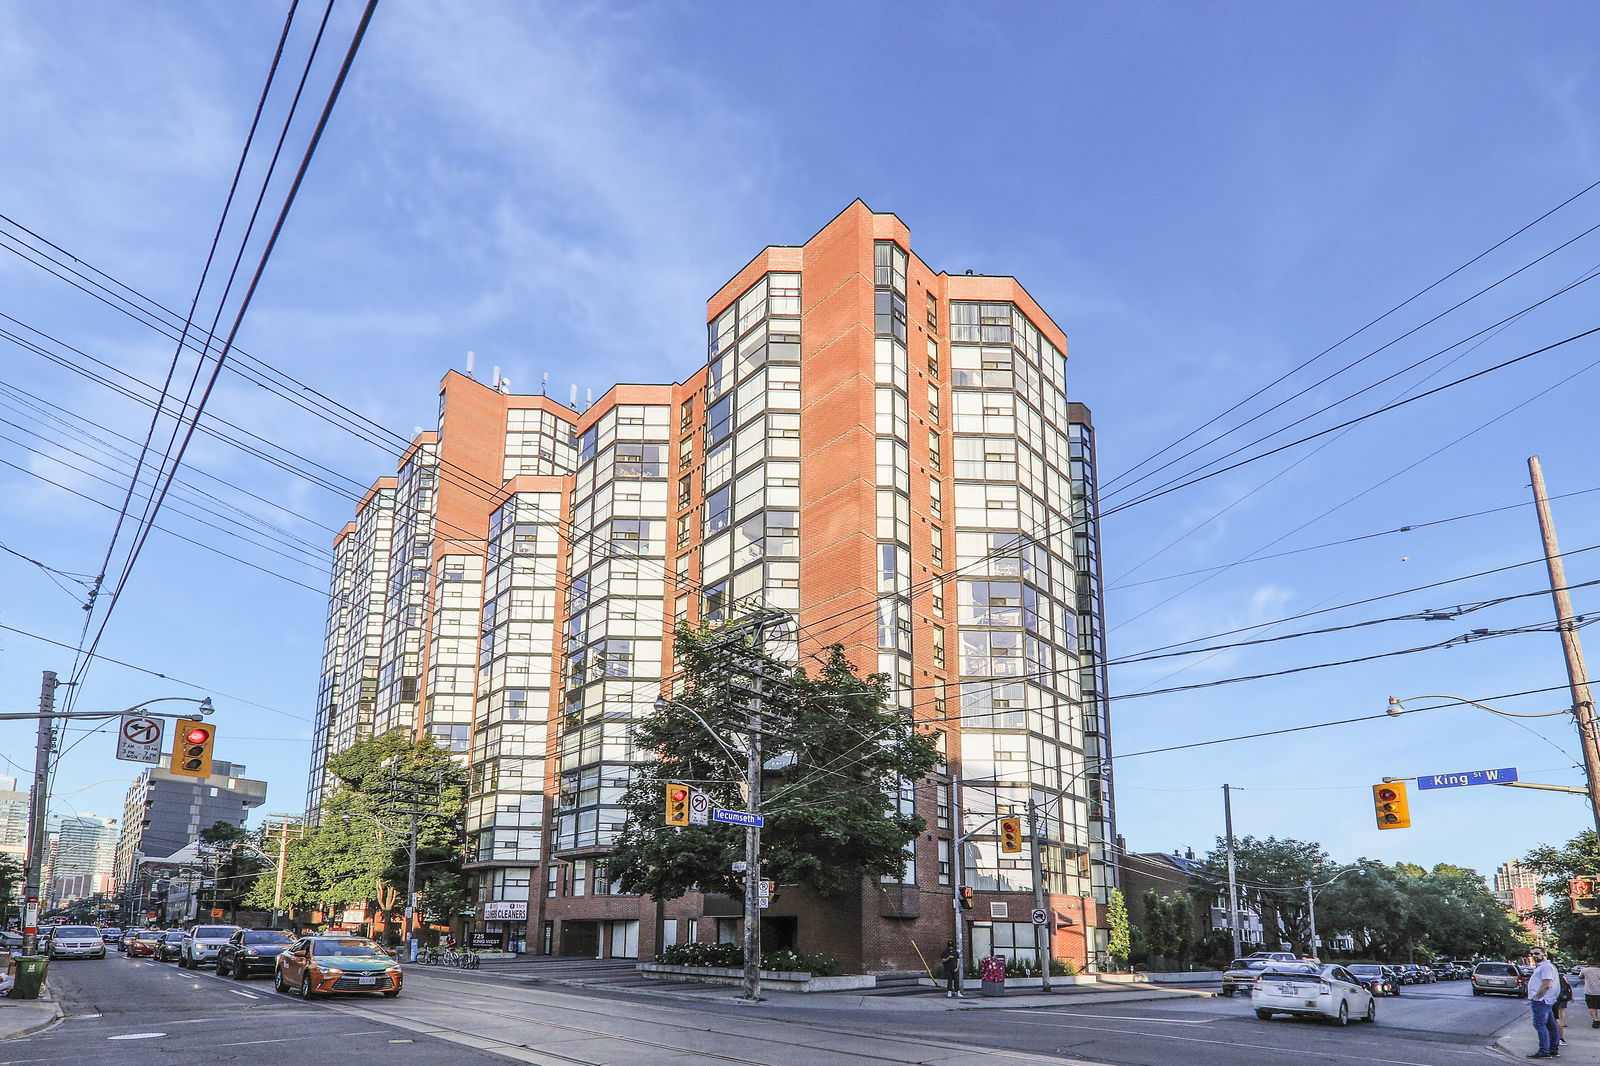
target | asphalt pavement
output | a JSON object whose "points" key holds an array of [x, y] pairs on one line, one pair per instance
{"points": [[138, 1012], [123, 1012]]}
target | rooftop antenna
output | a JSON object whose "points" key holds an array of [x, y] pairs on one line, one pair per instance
{"points": [[505, 385], [544, 383], [588, 399], [496, 378], [574, 402], [471, 355]]}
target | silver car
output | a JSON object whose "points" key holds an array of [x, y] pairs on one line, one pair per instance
{"points": [[201, 942], [76, 942]]}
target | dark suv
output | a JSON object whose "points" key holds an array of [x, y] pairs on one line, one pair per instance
{"points": [[251, 951]]}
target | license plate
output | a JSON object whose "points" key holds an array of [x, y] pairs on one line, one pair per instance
{"points": [[369, 980]]}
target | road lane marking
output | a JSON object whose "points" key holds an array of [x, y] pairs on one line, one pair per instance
{"points": [[136, 1036], [242, 992], [1129, 1018]]}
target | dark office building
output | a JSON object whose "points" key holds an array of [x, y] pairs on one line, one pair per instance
{"points": [[162, 811]]}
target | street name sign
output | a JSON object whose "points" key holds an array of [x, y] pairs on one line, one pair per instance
{"points": [[736, 817], [139, 739], [699, 808], [1468, 777]]}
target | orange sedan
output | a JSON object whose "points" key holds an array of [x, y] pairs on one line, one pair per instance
{"points": [[320, 965]]}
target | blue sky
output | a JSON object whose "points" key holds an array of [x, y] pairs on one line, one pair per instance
{"points": [[1203, 196]]}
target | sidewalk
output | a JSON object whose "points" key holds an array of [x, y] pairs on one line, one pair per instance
{"points": [[595, 974], [1582, 1043], [19, 1017]]}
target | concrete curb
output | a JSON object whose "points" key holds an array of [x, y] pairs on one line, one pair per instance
{"points": [[45, 1019]]}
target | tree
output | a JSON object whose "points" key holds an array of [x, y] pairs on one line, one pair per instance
{"points": [[238, 864], [835, 754], [1272, 874], [357, 852], [1578, 934], [1120, 943], [10, 879]]}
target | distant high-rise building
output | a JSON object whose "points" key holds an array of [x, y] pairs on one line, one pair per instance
{"points": [[1513, 874], [13, 820], [163, 811], [884, 451], [82, 858]]}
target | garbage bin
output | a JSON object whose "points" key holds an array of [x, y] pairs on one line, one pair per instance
{"points": [[992, 974], [30, 976]]}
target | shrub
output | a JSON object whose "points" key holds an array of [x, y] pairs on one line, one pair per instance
{"points": [[731, 956]]}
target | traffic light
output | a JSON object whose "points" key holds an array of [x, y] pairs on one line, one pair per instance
{"points": [[191, 748], [1581, 891], [677, 805], [1010, 835], [1389, 804], [966, 899]]}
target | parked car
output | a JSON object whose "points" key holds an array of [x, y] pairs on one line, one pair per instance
{"points": [[251, 951], [128, 936], [1397, 975], [1499, 977], [1378, 979], [10, 941], [1275, 956], [200, 944], [1420, 974], [1240, 976], [111, 934], [316, 965], [144, 944], [1313, 990], [75, 942], [169, 945]]}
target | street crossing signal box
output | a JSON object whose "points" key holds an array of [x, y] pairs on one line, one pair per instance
{"points": [[1011, 835], [1390, 806], [677, 812], [966, 899], [191, 748]]}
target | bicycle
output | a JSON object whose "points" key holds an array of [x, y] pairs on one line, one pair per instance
{"points": [[467, 959], [431, 956]]}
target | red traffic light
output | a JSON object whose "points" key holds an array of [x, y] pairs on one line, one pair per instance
{"points": [[679, 795], [1388, 795], [197, 736]]}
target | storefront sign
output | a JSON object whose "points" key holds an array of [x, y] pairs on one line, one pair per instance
{"points": [[506, 911]]}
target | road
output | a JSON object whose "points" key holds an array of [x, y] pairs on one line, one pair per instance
{"points": [[124, 1012], [138, 1012]]}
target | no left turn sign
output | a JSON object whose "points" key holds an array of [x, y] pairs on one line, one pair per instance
{"points": [[139, 739]]}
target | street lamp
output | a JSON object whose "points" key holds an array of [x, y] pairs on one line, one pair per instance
{"points": [[1586, 738], [1311, 902]]}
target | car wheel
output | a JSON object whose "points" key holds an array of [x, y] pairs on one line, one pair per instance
{"points": [[1344, 1013], [278, 983], [240, 971], [305, 986], [1372, 1010], [1228, 992], [1263, 1014], [1477, 991], [391, 993]]}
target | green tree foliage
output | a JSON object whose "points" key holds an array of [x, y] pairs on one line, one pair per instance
{"points": [[1120, 942], [10, 878], [1578, 934], [238, 864], [835, 755], [1391, 912], [357, 851], [1167, 939]]}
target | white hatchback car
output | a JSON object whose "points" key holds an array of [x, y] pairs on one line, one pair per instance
{"points": [[1311, 989]]}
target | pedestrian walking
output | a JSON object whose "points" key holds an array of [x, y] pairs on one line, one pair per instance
{"points": [[1544, 986], [1559, 1011], [1591, 992], [951, 960]]}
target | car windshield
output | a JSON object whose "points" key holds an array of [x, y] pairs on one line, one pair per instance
{"points": [[215, 932], [1285, 969], [1497, 969], [76, 930], [1247, 964], [172, 934], [1366, 969], [353, 946], [265, 936]]}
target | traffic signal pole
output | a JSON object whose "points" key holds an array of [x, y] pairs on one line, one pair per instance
{"points": [[1233, 882], [1042, 934], [958, 874]]}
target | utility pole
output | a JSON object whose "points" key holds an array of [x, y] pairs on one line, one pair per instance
{"points": [[752, 847], [1233, 884], [1311, 913], [957, 873], [39, 802], [1041, 931], [1577, 674], [283, 826]]}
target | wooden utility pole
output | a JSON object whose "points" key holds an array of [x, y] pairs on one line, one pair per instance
{"points": [[1577, 673]]}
